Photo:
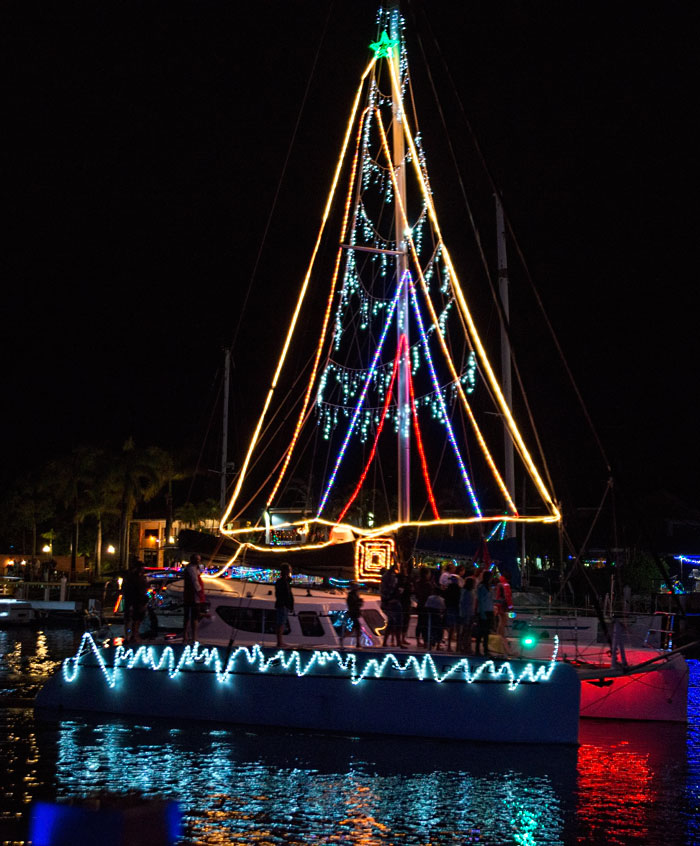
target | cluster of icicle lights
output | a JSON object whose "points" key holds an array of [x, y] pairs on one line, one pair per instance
{"points": [[253, 658], [381, 376]]}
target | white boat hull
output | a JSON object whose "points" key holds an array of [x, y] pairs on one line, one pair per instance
{"points": [[17, 612], [365, 692]]}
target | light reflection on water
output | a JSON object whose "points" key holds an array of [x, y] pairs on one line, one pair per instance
{"points": [[625, 784], [279, 787]]}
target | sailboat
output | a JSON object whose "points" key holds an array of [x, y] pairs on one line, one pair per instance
{"points": [[393, 432], [400, 416]]}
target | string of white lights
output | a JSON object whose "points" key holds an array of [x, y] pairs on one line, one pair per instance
{"points": [[165, 660]]}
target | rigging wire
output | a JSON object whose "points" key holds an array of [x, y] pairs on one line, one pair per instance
{"points": [[198, 464], [273, 205], [520, 254], [475, 229]]}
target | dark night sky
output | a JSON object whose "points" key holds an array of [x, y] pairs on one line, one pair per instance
{"points": [[143, 145]]}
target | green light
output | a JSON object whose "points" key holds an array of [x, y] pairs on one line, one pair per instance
{"points": [[384, 47], [528, 641]]}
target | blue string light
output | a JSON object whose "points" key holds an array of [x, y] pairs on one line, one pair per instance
{"points": [[360, 402], [445, 417], [423, 669]]}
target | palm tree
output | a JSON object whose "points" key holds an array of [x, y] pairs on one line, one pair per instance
{"points": [[139, 474], [102, 497], [195, 514], [69, 479], [25, 508]]}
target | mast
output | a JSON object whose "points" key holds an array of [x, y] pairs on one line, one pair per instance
{"points": [[402, 312], [506, 376], [224, 437]]}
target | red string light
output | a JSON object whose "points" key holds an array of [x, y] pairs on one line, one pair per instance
{"points": [[387, 400], [402, 346], [421, 451]]}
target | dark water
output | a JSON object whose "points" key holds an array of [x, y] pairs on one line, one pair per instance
{"points": [[626, 783]]}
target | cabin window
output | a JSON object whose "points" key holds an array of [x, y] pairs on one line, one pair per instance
{"points": [[250, 619], [310, 624]]}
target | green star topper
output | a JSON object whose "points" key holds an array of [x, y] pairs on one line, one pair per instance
{"points": [[383, 48]]}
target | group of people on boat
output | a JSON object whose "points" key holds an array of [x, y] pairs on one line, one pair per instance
{"points": [[456, 607]]}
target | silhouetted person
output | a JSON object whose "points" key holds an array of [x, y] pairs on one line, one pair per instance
{"points": [[135, 595], [192, 597], [284, 601], [355, 603]]}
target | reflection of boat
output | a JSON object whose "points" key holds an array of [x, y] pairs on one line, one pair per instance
{"points": [[345, 788]]}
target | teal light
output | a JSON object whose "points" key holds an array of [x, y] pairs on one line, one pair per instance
{"points": [[528, 641]]}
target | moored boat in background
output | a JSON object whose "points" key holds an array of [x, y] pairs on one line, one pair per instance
{"points": [[17, 612]]}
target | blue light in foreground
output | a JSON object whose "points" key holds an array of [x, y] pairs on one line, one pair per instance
{"points": [[66, 825]]}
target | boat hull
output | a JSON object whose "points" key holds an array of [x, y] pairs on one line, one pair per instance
{"points": [[350, 692], [659, 693], [16, 612]]}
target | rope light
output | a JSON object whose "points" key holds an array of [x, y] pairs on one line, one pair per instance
{"points": [[295, 662]]}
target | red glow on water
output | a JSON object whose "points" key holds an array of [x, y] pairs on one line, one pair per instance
{"points": [[621, 781], [623, 795]]}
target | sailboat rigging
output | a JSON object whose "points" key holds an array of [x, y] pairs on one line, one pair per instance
{"points": [[398, 348]]}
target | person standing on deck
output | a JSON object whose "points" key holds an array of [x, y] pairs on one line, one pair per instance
{"points": [[422, 590], [451, 595], [503, 603], [467, 609], [355, 603], [192, 597], [284, 602], [484, 610], [135, 602], [405, 592], [388, 586], [435, 610]]}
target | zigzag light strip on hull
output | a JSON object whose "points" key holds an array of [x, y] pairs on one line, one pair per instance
{"points": [[425, 669]]}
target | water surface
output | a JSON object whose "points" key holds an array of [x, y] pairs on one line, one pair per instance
{"points": [[627, 783]]}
